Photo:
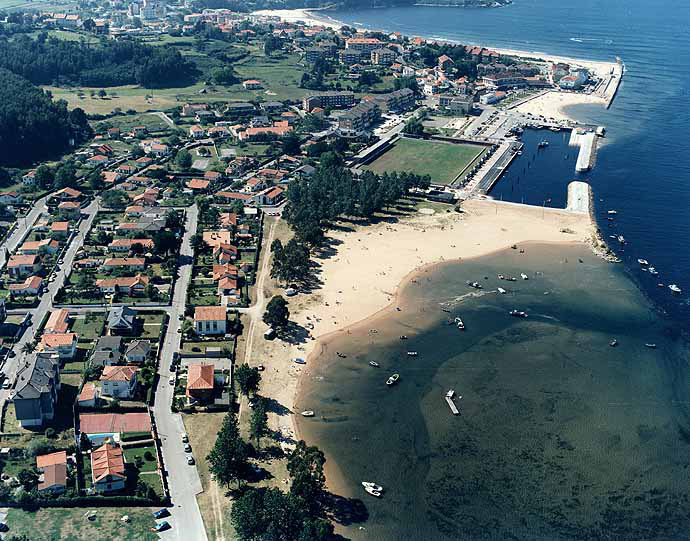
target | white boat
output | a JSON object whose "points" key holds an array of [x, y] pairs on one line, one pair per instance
{"points": [[450, 394], [403, 337], [650, 346], [653, 271], [299, 360], [460, 323], [374, 364], [308, 413], [373, 492], [377, 488], [412, 353], [612, 212], [543, 144], [501, 291], [501, 277], [621, 239], [643, 262], [517, 313], [613, 343], [393, 379], [524, 276], [475, 285], [675, 288]]}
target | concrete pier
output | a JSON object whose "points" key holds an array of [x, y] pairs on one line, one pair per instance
{"points": [[579, 197]]}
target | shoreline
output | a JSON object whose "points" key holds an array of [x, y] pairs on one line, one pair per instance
{"points": [[358, 286]]}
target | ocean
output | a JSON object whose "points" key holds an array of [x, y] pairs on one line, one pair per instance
{"points": [[561, 436], [643, 170]]}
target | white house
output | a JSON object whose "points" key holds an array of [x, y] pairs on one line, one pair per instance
{"points": [[210, 320], [119, 381]]}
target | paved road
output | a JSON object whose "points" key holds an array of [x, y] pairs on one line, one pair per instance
{"points": [[23, 226], [46, 303], [183, 479]]}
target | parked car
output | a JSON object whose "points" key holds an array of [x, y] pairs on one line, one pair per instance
{"points": [[185, 438], [161, 526], [161, 513], [187, 448], [190, 460], [171, 381], [7, 384]]}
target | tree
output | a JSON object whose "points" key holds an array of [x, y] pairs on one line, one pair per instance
{"points": [[95, 180], [102, 93], [66, 175], [305, 465], [197, 242], [28, 347], [413, 127], [115, 199], [224, 76], [277, 313], [184, 159], [291, 144], [228, 457], [27, 478], [165, 242], [44, 177], [271, 44], [258, 422], [248, 378]]}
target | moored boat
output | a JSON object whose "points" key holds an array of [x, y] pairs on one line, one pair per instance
{"points": [[374, 364], [517, 313], [308, 413], [373, 492], [299, 360], [524, 276], [501, 291], [675, 289], [650, 346], [393, 379], [411, 353], [459, 323], [377, 488], [643, 262]]}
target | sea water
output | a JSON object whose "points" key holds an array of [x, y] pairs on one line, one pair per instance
{"points": [[560, 434]]}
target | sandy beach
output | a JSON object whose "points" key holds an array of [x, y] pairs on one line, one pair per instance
{"points": [[370, 263], [551, 105]]}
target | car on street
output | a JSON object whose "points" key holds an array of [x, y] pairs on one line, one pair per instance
{"points": [[185, 438], [187, 448], [171, 381], [161, 526], [190, 460], [7, 384], [161, 513], [181, 317]]}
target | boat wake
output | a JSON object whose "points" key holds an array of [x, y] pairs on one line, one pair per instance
{"points": [[469, 295]]}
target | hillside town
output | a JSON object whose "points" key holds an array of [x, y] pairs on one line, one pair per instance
{"points": [[134, 271]]}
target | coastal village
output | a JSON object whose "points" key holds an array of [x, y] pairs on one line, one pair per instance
{"points": [[160, 277]]}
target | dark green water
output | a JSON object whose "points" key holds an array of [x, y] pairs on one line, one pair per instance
{"points": [[560, 437]]}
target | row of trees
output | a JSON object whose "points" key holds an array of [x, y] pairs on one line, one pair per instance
{"points": [[334, 192], [33, 127], [48, 60]]}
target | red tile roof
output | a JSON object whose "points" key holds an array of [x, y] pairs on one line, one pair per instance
{"points": [[200, 377], [105, 423], [59, 457], [107, 460]]}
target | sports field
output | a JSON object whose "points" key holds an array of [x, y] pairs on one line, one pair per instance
{"points": [[443, 161]]}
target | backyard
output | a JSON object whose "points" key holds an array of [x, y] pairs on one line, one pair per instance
{"points": [[442, 161]]}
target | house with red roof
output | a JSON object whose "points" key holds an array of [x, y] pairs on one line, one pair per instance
{"points": [[200, 382], [108, 472]]}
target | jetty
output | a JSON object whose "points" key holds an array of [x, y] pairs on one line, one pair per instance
{"points": [[451, 404], [587, 141]]}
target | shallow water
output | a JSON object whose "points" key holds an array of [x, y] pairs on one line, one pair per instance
{"points": [[560, 435]]}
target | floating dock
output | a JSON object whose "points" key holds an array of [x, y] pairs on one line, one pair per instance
{"points": [[451, 404]]}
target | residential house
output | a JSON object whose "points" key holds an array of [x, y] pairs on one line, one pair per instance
{"points": [[251, 134], [96, 161], [31, 286], [197, 132], [198, 184], [11, 198], [125, 245], [228, 220], [239, 109], [36, 389], [227, 287], [382, 57], [224, 271], [445, 62], [363, 44], [271, 196], [72, 208], [121, 320], [200, 381], [108, 351], [216, 238], [29, 178], [59, 230], [62, 344], [191, 109], [131, 285], [53, 469], [227, 197], [58, 321], [129, 263], [138, 351], [67, 194], [225, 253], [332, 98], [119, 381], [34, 247], [88, 397], [108, 472], [20, 266], [252, 84], [210, 320]]}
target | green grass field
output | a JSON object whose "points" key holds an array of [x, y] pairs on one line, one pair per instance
{"points": [[443, 161]]}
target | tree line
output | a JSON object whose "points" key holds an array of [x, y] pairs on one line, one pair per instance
{"points": [[48, 60], [33, 127]]}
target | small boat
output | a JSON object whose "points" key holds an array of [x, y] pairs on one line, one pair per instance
{"points": [[308, 413], [517, 313], [393, 379], [373, 492], [341, 355], [299, 360], [555, 128], [445, 310], [660, 285], [460, 324], [511, 279], [524, 276], [612, 212], [450, 394], [643, 262], [519, 152], [475, 285], [613, 343], [377, 488], [543, 144], [501, 277], [412, 354], [613, 237], [675, 289], [650, 346], [501, 291], [621, 239], [644, 269], [653, 271], [403, 337], [374, 364]]}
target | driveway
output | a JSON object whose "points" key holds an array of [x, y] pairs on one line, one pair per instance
{"points": [[183, 479]]}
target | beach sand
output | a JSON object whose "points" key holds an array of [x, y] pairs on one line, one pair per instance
{"points": [[367, 265], [551, 105]]}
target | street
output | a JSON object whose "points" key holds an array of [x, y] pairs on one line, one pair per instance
{"points": [[23, 226]]}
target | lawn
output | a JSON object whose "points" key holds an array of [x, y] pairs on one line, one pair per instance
{"points": [[148, 465], [88, 326], [443, 161], [192, 347], [152, 324], [72, 525], [152, 122]]}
